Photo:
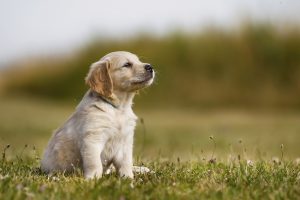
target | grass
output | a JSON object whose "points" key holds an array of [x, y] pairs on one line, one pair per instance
{"points": [[168, 133], [224, 154], [172, 180]]}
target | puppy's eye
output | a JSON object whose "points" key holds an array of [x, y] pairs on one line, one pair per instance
{"points": [[128, 64]]}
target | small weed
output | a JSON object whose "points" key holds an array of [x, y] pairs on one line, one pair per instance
{"points": [[4, 152]]}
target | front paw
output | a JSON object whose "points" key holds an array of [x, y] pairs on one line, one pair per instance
{"points": [[126, 172], [93, 174]]}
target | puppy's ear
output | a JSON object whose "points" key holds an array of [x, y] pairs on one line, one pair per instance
{"points": [[99, 80]]}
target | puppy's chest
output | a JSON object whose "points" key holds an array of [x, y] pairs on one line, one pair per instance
{"points": [[125, 123], [120, 138]]}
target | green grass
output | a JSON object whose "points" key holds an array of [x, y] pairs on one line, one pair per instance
{"points": [[167, 133], [171, 180], [176, 144]]}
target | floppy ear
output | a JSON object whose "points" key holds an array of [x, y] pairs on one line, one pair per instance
{"points": [[99, 80]]}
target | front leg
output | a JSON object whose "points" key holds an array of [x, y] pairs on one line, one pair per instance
{"points": [[123, 161], [90, 152]]}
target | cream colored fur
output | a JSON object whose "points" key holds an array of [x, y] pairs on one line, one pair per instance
{"points": [[100, 132]]}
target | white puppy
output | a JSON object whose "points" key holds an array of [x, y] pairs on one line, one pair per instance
{"points": [[100, 131]]}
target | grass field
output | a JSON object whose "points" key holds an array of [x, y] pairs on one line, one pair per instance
{"points": [[176, 144], [171, 180]]}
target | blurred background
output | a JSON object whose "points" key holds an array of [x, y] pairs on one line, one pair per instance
{"points": [[226, 69]]}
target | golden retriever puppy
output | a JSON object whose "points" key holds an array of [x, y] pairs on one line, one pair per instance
{"points": [[100, 132]]}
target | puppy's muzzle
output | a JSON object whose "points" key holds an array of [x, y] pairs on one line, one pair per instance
{"points": [[147, 76]]}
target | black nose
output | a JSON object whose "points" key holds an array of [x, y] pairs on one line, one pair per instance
{"points": [[148, 68]]}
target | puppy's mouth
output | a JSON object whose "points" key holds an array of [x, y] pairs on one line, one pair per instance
{"points": [[140, 82]]}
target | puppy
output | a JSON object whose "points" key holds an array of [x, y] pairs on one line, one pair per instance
{"points": [[100, 132]]}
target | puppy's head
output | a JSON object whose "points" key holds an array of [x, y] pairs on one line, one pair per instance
{"points": [[119, 71]]}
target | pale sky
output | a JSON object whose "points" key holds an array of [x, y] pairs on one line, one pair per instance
{"points": [[35, 27]]}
